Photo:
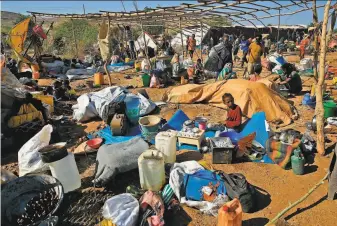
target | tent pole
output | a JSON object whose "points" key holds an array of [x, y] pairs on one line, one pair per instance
{"points": [[202, 35], [146, 53], [72, 25], [107, 62], [181, 37], [278, 29]]}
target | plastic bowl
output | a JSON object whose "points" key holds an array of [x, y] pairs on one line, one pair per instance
{"points": [[95, 143]]}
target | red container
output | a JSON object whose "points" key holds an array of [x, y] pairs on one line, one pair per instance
{"points": [[39, 31], [95, 143]]}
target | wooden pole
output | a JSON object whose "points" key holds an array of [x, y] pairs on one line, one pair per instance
{"points": [[107, 62], [83, 9], [181, 36], [332, 26], [316, 33], [319, 89], [75, 42], [278, 29], [202, 35], [273, 221]]}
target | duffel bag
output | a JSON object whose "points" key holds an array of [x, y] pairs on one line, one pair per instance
{"points": [[238, 187], [195, 183]]}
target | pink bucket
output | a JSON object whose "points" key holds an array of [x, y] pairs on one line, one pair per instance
{"points": [[39, 31], [202, 125]]}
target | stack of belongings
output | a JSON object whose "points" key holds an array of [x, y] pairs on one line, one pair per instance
{"points": [[218, 57]]}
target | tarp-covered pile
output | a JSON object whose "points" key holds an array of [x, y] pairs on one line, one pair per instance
{"points": [[250, 96]]}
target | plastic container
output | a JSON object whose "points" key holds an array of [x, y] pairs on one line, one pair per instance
{"points": [[230, 214], [95, 143], [36, 75], [62, 165], [98, 79], [146, 80], [127, 60], [149, 124], [222, 155], [329, 108], [138, 65], [151, 170], [297, 162], [166, 142]]}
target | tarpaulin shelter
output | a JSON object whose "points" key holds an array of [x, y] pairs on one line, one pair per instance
{"points": [[150, 41], [252, 97]]}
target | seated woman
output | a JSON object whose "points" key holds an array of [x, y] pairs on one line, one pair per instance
{"points": [[234, 113], [291, 79]]}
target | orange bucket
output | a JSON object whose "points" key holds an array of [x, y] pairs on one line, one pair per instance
{"points": [[98, 79]]}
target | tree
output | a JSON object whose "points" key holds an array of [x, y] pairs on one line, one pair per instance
{"points": [[319, 90]]}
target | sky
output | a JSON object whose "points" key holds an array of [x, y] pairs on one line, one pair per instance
{"points": [[94, 6]]}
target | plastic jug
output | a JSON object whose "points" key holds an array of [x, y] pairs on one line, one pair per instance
{"points": [[297, 162], [138, 65], [166, 142], [98, 79], [62, 165], [230, 214], [151, 170]]}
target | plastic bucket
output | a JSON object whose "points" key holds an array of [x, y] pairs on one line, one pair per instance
{"points": [[138, 65], [98, 79], [149, 124], [146, 80], [329, 109]]}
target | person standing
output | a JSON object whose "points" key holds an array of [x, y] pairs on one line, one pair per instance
{"points": [[244, 47], [236, 46], [304, 43], [267, 45], [187, 40], [129, 39], [191, 46], [255, 52]]}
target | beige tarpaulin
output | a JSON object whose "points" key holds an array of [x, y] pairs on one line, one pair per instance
{"points": [[250, 96]]}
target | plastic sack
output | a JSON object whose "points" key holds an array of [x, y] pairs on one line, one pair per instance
{"points": [[145, 65], [154, 83], [29, 158], [122, 209]]}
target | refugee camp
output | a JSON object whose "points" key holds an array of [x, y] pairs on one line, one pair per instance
{"points": [[152, 113]]}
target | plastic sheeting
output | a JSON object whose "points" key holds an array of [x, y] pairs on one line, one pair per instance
{"points": [[252, 97]]}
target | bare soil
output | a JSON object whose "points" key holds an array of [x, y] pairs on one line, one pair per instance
{"points": [[278, 187]]}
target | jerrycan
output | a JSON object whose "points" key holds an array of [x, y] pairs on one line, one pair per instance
{"points": [[166, 142], [230, 214], [151, 170]]}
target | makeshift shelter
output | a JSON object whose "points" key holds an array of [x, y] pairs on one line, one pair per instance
{"points": [[150, 42], [200, 34], [252, 97]]}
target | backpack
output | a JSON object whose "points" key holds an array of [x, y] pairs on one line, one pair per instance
{"points": [[194, 183], [238, 187]]}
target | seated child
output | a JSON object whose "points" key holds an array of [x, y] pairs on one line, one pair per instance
{"points": [[257, 71], [226, 73], [199, 69], [234, 113]]}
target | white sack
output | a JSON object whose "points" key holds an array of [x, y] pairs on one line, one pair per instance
{"points": [[29, 158]]}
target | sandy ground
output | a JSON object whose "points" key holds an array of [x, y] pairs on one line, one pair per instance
{"points": [[278, 187]]}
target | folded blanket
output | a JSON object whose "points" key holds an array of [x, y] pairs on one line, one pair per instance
{"points": [[281, 152]]}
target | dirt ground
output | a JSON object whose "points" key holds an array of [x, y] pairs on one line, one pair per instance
{"points": [[278, 187]]}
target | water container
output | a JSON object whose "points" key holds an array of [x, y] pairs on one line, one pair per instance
{"points": [[297, 162], [230, 214], [132, 108], [329, 108], [98, 79], [62, 165], [166, 142], [146, 80], [138, 65], [151, 170]]}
